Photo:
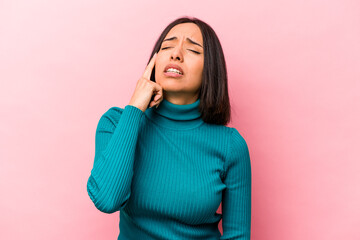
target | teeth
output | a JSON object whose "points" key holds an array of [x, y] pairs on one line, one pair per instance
{"points": [[173, 70]]}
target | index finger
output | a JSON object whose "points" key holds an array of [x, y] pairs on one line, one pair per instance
{"points": [[149, 67]]}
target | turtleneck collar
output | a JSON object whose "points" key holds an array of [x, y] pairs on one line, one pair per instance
{"points": [[174, 116]]}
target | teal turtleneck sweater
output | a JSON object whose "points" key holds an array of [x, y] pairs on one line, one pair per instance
{"points": [[167, 171]]}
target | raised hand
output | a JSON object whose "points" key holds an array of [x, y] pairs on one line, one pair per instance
{"points": [[145, 89]]}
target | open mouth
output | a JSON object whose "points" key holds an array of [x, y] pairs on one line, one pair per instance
{"points": [[172, 74], [173, 70]]}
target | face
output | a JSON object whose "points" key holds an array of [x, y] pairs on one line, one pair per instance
{"points": [[183, 49]]}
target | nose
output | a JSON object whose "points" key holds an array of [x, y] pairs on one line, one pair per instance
{"points": [[177, 53]]}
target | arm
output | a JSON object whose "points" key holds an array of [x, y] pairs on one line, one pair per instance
{"points": [[236, 201], [116, 136]]}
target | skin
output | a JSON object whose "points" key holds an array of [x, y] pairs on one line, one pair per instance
{"points": [[189, 56], [145, 89], [183, 90]]}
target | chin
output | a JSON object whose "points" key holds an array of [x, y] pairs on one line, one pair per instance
{"points": [[163, 81], [170, 86]]}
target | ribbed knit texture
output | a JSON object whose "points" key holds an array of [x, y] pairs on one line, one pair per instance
{"points": [[167, 172]]}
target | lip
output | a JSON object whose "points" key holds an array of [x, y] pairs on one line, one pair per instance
{"points": [[175, 67]]}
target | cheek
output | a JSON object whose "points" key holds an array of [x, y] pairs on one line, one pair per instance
{"points": [[159, 72], [195, 66], [159, 63], [158, 68], [199, 67]]}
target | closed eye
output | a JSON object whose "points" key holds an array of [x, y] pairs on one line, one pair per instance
{"points": [[188, 49], [194, 51]]}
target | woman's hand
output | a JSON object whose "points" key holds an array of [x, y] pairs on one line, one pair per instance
{"points": [[145, 89]]}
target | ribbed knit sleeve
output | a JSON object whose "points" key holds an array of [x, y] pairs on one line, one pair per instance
{"points": [[236, 201], [116, 136]]}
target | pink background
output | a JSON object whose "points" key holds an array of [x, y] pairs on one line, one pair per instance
{"points": [[294, 79]]}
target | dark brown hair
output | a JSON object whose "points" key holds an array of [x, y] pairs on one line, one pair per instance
{"points": [[213, 93]]}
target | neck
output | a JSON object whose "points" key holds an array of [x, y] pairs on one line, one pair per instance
{"points": [[180, 98], [176, 116]]}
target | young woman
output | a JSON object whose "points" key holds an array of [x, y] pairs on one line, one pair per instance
{"points": [[167, 159]]}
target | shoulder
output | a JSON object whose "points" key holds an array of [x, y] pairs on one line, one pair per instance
{"points": [[232, 137], [235, 143], [111, 117], [238, 149], [237, 139], [232, 134], [114, 112], [237, 160], [217, 128]]}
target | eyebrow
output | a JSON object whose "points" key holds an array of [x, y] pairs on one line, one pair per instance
{"points": [[188, 39]]}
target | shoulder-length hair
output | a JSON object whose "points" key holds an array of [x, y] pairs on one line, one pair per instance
{"points": [[213, 93]]}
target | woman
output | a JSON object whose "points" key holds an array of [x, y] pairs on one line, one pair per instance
{"points": [[167, 160]]}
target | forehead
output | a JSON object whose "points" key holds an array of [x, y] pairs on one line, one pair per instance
{"points": [[184, 30]]}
